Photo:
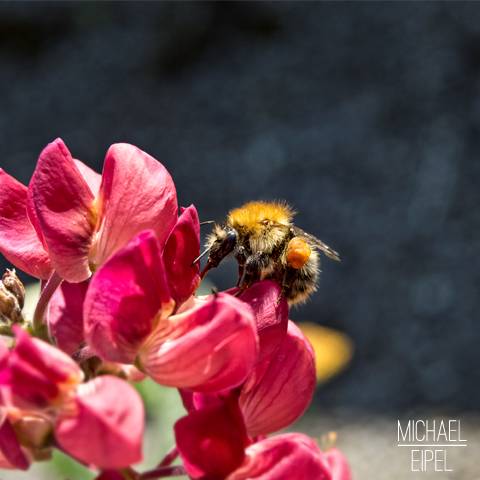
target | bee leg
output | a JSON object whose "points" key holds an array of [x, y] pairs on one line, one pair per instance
{"points": [[241, 257], [247, 281], [253, 268], [241, 271], [287, 282]]}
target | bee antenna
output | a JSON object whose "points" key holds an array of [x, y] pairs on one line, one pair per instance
{"points": [[207, 222], [198, 258]]}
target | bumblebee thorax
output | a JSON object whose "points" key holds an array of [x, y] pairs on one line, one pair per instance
{"points": [[255, 216], [258, 224]]}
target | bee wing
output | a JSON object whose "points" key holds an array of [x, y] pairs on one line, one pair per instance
{"points": [[329, 252]]}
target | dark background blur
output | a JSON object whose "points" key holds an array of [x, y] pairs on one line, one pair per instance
{"points": [[364, 116]]}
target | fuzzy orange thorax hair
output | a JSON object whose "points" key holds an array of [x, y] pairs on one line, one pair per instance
{"points": [[254, 213]]}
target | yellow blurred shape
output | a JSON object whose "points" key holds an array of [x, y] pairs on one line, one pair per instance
{"points": [[333, 350], [328, 441]]}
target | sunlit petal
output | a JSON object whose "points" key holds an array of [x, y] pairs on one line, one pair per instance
{"points": [[280, 388], [64, 205], [209, 348], [103, 424], [19, 241], [136, 194], [126, 297]]}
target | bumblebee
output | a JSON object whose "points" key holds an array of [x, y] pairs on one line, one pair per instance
{"points": [[266, 244]]}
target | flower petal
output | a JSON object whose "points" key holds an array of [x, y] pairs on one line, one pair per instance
{"points": [[32, 214], [92, 178], [103, 424], [11, 455], [292, 455], [65, 209], [110, 475], [18, 239], [65, 316], [187, 399], [36, 374], [136, 194], [210, 348], [181, 249], [280, 388], [271, 318], [210, 442], [338, 465], [34, 433], [126, 298], [4, 354]]}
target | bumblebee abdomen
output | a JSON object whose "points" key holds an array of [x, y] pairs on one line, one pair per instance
{"points": [[304, 280]]}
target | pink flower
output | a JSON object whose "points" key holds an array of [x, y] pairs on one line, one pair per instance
{"points": [[181, 249], [69, 221], [280, 388], [99, 422], [128, 318], [65, 316], [12, 455], [212, 441], [213, 445], [102, 423], [19, 241], [271, 318], [277, 390], [338, 464], [291, 455], [110, 475], [29, 432], [36, 376]]}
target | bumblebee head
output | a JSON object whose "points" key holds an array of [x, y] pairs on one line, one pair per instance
{"points": [[221, 242], [224, 240]]}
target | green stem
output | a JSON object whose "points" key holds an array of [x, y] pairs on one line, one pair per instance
{"points": [[52, 284], [163, 472], [169, 457]]}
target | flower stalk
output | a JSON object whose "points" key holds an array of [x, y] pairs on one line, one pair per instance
{"points": [[169, 457], [163, 472], [53, 283]]}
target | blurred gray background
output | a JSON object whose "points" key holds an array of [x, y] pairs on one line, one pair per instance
{"points": [[364, 116]]}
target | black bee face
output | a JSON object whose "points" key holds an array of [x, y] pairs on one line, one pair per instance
{"points": [[223, 245], [225, 241]]}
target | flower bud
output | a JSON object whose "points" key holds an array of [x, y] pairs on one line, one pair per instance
{"points": [[12, 297]]}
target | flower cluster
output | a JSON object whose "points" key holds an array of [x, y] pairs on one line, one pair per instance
{"points": [[115, 261]]}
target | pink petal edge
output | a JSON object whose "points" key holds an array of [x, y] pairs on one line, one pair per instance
{"points": [[126, 298], [18, 238], [136, 194], [64, 205], [103, 424]]}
